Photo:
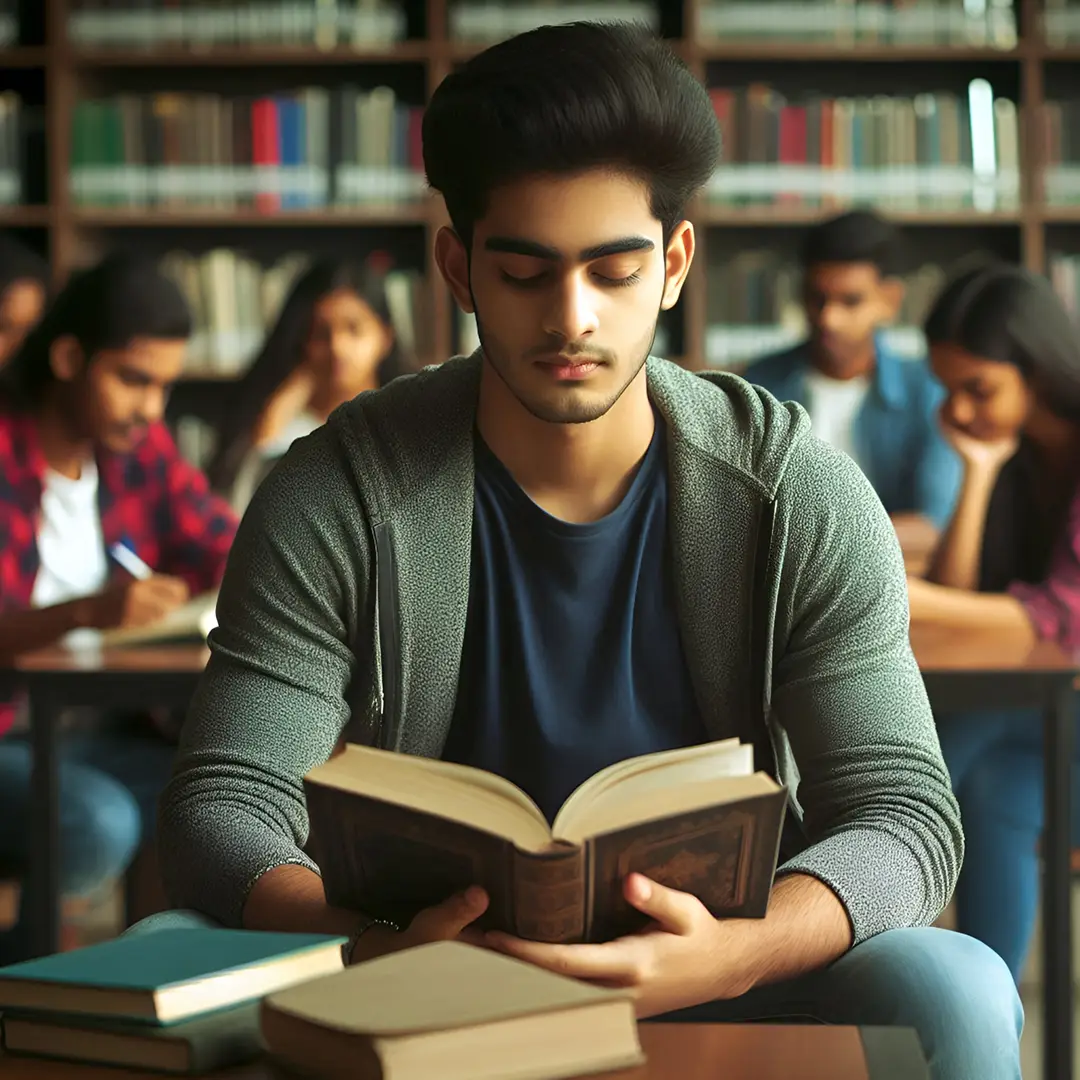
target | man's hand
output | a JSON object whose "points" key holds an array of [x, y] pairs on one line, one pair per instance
{"points": [[449, 921], [684, 957], [135, 603]]}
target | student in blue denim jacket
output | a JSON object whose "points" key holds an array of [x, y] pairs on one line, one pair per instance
{"points": [[876, 406]]}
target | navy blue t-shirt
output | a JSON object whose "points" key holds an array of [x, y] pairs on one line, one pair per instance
{"points": [[572, 658]]}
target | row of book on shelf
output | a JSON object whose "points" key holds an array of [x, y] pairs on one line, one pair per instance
{"points": [[12, 148], [302, 150], [315, 147]]}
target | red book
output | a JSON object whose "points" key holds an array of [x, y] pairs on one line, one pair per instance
{"points": [[265, 155], [792, 148]]}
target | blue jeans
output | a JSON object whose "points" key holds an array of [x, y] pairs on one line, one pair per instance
{"points": [[951, 989], [109, 786], [995, 760]]}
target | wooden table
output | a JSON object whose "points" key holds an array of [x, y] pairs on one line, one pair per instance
{"points": [[56, 679], [674, 1051], [984, 671]]}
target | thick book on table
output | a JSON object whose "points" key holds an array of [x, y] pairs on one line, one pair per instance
{"points": [[452, 1011], [393, 834], [192, 1047]]}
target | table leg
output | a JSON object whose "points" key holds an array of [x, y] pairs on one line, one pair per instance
{"points": [[1057, 890], [45, 825]]}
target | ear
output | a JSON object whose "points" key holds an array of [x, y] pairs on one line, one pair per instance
{"points": [[677, 260], [66, 359], [892, 296], [453, 262]]}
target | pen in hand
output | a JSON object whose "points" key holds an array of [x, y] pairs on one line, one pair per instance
{"points": [[131, 562]]}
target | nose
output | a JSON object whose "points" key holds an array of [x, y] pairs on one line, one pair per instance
{"points": [[831, 317], [960, 410], [153, 405], [572, 314]]}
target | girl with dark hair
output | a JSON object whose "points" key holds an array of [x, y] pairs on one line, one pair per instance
{"points": [[1009, 357], [87, 468], [24, 278], [332, 340]]}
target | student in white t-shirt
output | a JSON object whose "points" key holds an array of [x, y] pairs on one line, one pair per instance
{"points": [[333, 340], [880, 408]]}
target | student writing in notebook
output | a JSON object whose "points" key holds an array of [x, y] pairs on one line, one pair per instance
{"points": [[1009, 562], [24, 278], [86, 468], [561, 552], [865, 399], [332, 340]]}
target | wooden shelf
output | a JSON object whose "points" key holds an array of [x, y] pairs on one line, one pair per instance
{"points": [[255, 56], [13, 217], [793, 215], [1061, 54], [23, 57], [1059, 215], [201, 217], [767, 50]]}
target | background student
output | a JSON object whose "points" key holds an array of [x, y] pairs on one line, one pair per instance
{"points": [[86, 464], [1009, 562], [878, 407], [333, 340], [24, 278]]}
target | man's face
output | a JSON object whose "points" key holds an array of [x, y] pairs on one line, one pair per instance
{"points": [[21, 305], [845, 304], [568, 275], [121, 392]]}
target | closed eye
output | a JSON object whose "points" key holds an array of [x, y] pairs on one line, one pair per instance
{"points": [[539, 279]]}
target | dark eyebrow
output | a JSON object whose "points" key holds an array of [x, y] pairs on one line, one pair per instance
{"points": [[514, 245]]}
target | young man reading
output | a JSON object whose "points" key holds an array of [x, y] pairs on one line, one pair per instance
{"points": [[862, 398], [558, 553], [85, 464]]}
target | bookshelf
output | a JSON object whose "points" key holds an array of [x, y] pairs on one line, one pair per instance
{"points": [[1031, 70]]}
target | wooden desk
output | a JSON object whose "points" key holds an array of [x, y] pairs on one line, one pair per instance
{"points": [[56, 679], [674, 1051], [976, 671]]}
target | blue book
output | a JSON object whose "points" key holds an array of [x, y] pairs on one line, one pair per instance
{"points": [[168, 975]]}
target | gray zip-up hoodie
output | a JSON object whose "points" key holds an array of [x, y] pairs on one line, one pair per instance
{"points": [[346, 594]]}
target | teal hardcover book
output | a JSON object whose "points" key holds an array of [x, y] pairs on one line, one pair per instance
{"points": [[193, 1047], [168, 975]]}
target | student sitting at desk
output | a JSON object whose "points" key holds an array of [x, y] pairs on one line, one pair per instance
{"points": [[1009, 561], [24, 277], [85, 464], [332, 341], [876, 406], [560, 552]]}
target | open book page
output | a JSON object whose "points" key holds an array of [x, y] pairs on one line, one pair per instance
{"points": [[193, 620], [471, 796]]}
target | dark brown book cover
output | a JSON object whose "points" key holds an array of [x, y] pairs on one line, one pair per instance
{"points": [[392, 861]]}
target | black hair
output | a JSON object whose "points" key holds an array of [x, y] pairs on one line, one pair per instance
{"points": [[283, 352], [561, 99], [859, 236], [19, 263], [107, 306], [1001, 312]]}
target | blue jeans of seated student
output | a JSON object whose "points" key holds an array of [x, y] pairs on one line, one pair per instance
{"points": [[995, 761], [109, 786], [954, 991]]}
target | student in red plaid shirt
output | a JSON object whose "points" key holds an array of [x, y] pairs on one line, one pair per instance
{"points": [[85, 464]]}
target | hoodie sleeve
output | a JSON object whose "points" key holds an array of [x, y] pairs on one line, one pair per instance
{"points": [[879, 812], [272, 703]]}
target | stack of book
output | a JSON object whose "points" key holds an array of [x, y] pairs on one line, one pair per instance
{"points": [[179, 1001], [933, 151], [302, 150], [11, 145], [1059, 135], [486, 21], [324, 24], [864, 22]]}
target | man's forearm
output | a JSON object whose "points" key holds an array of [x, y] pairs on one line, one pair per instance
{"points": [[940, 605], [292, 899], [35, 628], [806, 928]]}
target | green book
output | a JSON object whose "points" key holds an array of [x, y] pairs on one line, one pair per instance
{"points": [[168, 975], [191, 1047]]}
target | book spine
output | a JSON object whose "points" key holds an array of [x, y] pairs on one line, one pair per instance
{"points": [[549, 895]]}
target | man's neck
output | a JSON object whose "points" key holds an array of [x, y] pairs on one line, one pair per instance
{"points": [[64, 452], [576, 472], [856, 366]]}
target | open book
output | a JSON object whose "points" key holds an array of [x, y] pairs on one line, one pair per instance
{"points": [[191, 622], [393, 834]]}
